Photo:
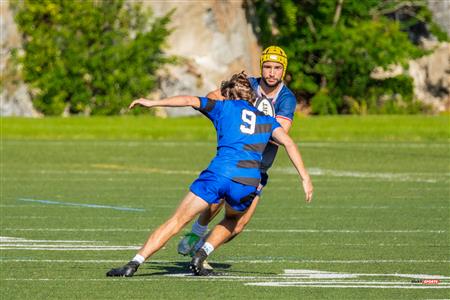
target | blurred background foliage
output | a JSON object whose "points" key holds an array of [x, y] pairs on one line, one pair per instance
{"points": [[333, 46], [89, 57], [93, 57]]}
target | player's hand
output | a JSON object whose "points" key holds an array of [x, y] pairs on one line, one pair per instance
{"points": [[140, 102], [308, 188]]}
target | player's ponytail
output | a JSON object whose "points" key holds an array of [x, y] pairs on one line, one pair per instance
{"points": [[238, 87]]}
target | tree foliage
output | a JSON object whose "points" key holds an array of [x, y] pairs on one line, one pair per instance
{"points": [[89, 57], [333, 47]]}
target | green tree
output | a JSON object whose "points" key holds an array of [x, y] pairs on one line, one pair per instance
{"points": [[334, 46], [89, 57]]}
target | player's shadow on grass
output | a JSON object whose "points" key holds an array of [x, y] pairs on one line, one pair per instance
{"points": [[177, 267], [182, 267]]}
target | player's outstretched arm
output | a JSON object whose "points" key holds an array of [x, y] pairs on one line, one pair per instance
{"points": [[294, 154], [176, 101]]}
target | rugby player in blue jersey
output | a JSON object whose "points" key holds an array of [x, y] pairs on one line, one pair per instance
{"points": [[269, 86], [234, 173]]}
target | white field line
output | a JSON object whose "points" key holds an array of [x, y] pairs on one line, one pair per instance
{"points": [[33, 206], [53, 202], [315, 274], [346, 244], [359, 286], [74, 248], [12, 243], [6, 239], [407, 177], [246, 230], [125, 169], [214, 278], [114, 248], [243, 261], [77, 229], [342, 231], [344, 144]]}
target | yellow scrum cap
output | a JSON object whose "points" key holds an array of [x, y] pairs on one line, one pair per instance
{"points": [[274, 54]]}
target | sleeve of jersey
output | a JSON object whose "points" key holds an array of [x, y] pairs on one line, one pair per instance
{"points": [[210, 108], [287, 108], [275, 124]]}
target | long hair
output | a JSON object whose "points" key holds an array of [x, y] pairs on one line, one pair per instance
{"points": [[238, 87]]}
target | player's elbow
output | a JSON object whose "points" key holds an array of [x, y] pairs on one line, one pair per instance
{"points": [[191, 101], [287, 142]]}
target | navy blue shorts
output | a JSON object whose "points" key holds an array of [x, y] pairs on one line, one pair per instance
{"points": [[212, 187]]}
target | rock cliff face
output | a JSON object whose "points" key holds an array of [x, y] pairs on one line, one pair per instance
{"points": [[441, 13], [14, 96], [216, 41], [431, 75]]}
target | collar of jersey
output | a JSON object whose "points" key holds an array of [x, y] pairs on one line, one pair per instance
{"points": [[274, 99]]}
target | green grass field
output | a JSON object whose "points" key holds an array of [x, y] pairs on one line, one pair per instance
{"points": [[79, 196]]}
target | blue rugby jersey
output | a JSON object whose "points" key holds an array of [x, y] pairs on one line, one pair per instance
{"points": [[284, 104], [242, 135]]}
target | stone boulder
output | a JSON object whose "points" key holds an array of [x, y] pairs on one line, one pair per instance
{"points": [[15, 99]]}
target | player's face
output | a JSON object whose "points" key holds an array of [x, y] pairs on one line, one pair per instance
{"points": [[272, 73]]}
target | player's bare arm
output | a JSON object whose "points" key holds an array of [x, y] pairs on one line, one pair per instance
{"points": [[176, 101], [286, 124], [294, 154]]}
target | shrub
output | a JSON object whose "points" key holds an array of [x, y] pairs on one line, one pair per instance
{"points": [[89, 57]]}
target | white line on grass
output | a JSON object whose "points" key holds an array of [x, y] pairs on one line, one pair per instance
{"points": [[52, 202], [342, 231], [359, 286], [246, 230], [124, 169], [407, 177], [267, 284], [6, 239], [69, 248], [333, 144], [243, 261], [345, 244]]}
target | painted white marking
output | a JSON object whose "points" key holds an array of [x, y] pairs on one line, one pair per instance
{"points": [[53, 202], [325, 274], [247, 230], [78, 229], [301, 284], [162, 143], [74, 248], [5, 239], [347, 244], [301, 274], [254, 261], [13, 243], [407, 177], [342, 231]]}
